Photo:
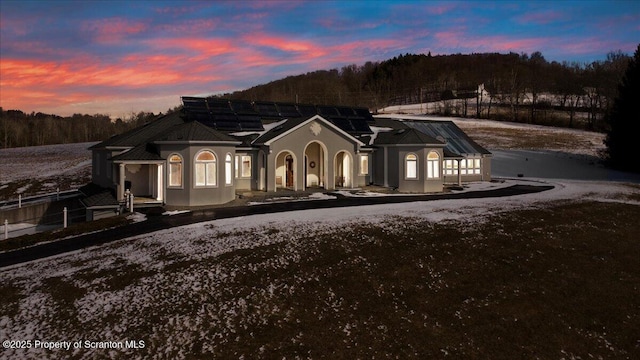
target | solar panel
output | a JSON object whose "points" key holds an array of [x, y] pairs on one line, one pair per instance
{"points": [[345, 111], [242, 107], [364, 112], [237, 115], [227, 126], [361, 126], [199, 116], [288, 110], [342, 123], [250, 122], [219, 106], [328, 112], [307, 110], [267, 109]]}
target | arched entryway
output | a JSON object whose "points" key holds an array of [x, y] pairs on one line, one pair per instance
{"points": [[285, 170], [343, 166], [315, 165]]}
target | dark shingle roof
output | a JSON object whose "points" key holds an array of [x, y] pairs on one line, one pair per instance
{"points": [[193, 131], [143, 152], [279, 129], [405, 137], [97, 196], [139, 135]]}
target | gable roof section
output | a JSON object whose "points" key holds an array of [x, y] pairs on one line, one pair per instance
{"points": [[291, 125], [141, 134], [183, 133], [193, 131]]}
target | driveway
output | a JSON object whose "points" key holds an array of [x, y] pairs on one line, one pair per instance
{"points": [[554, 165]]}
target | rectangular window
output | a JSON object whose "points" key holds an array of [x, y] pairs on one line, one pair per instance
{"points": [[175, 174], [200, 174], [228, 171], [211, 174], [364, 164], [451, 167], [411, 166], [243, 166], [433, 169], [476, 166], [246, 166]]}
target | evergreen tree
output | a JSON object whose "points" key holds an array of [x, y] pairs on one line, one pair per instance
{"points": [[624, 120]]}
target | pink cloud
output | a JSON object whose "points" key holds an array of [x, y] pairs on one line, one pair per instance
{"points": [[90, 77], [280, 43], [198, 48], [196, 26], [113, 29]]}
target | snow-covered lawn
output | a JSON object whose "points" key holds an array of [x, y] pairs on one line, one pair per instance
{"points": [[43, 161], [168, 288], [503, 135], [42, 169]]}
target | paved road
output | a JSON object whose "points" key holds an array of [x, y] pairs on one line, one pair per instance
{"points": [[155, 223]]}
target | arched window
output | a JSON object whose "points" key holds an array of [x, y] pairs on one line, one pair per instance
{"points": [[228, 170], [206, 169], [411, 166], [175, 170], [433, 165]]}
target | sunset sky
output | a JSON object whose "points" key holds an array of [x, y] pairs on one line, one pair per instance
{"points": [[119, 57]]}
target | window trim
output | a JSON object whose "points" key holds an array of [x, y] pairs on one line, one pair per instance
{"points": [[416, 167], [468, 166], [228, 170], [433, 166], [239, 162], [169, 163], [450, 167], [364, 170], [195, 169]]}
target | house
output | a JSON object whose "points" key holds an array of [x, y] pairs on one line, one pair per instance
{"points": [[215, 148]]}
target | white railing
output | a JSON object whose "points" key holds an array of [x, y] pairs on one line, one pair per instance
{"points": [[21, 201], [43, 223]]}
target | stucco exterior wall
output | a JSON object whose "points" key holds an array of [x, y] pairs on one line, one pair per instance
{"points": [[396, 169], [248, 183], [189, 194], [331, 142]]}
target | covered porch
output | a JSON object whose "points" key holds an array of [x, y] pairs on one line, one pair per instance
{"points": [[145, 180]]}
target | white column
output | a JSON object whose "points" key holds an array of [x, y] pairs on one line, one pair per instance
{"points": [[160, 182], [459, 173]]}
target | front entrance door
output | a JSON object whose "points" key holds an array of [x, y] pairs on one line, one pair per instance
{"points": [[289, 171]]}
